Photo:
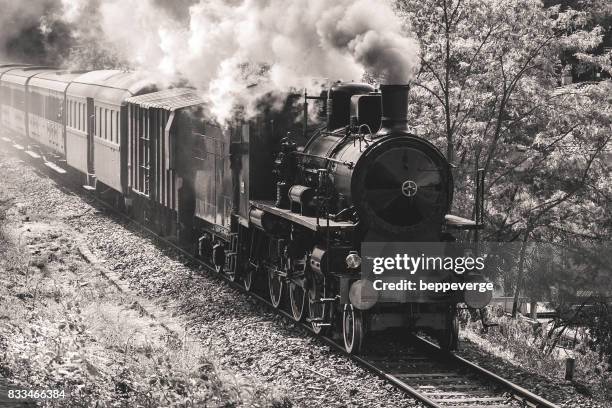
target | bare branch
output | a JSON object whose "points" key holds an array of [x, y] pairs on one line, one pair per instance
{"points": [[430, 91]]}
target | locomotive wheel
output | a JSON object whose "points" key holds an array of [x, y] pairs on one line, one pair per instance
{"points": [[247, 279], [353, 329], [275, 285], [316, 309], [230, 268], [297, 296], [448, 338], [231, 275], [297, 289]]}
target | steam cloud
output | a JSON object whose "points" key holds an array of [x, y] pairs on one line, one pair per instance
{"points": [[223, 46], [29, 33]]}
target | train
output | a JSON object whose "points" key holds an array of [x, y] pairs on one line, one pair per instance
{"points": [[281, 201]]}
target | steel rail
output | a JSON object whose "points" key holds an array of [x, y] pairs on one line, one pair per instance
{"points": [[519, 392]]}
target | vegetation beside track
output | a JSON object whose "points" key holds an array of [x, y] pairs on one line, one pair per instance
{"points": [[64, 326], [522, 343]]}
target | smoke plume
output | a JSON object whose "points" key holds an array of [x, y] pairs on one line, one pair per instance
{"points": [[30, 32], [223, 47]]}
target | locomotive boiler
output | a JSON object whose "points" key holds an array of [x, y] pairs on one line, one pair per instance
{"points": [[369, 167]]}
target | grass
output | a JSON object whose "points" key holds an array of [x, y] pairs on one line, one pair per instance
{"points": [[520, 342], [63, 326]]}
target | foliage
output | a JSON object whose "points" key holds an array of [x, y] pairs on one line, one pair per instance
{"points": [[525, 344], [489, 93]]}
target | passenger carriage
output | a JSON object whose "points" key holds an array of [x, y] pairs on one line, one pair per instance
{"points": [[97, 137], [5, 91], [14, 83], [49, 114]]}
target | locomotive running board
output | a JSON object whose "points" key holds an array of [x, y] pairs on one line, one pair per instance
{"points": [[309, 222]]}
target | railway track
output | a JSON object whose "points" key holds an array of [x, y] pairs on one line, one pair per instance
{"points": [[436, 378], [442, 379]]}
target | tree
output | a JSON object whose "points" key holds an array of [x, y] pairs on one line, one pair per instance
{"points": [[488, 92]]}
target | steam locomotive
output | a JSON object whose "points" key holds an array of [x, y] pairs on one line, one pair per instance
{"points": [[276, 200]]}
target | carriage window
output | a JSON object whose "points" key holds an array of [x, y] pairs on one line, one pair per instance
{"points": [[57, 109], [112, 126], [18, 99], [38, 101], [60, 110], [47, 108], [34, 103], [52, 107], [115, 133]]}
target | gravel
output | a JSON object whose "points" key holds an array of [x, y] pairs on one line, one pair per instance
{"points": [[241, 335]]}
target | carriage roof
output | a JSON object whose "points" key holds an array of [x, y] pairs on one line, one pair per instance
{"points": [[169, 99], [110, 86]]}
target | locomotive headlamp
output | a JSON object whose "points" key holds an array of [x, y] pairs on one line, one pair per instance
{"points": [[353, 260]]}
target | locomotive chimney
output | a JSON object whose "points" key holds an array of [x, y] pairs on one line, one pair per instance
{"points": [[394, 109]]}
